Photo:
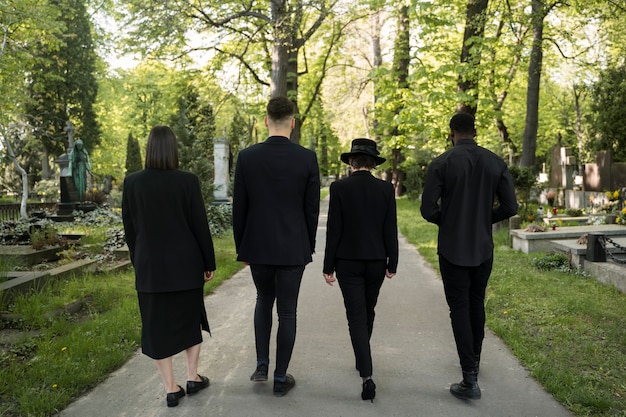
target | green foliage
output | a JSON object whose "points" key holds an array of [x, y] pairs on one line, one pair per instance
{"points": [[63, 86], [415, 167], [220, 219], [552, 261], [523, 179], [47, 190], [133, 155], [574, 212], [609, 101], [194, 125]]}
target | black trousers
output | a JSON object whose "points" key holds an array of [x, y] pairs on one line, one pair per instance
{"points": [[280, 284], [465, 293], [360, 283]]}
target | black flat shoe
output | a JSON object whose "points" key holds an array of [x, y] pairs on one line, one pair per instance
{"points": [[369, 390], [173, 397], [260, 374], [282, 388], [195, 386]]}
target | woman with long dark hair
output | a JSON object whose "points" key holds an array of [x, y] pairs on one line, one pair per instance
{"points": [[171, 249]]}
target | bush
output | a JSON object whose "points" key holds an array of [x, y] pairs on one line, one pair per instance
{"points": [[220, 218], [574, 212], [47, 190], [552, 261]]}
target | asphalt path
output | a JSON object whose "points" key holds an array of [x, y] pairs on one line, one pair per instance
{"points": [[413, 349]]}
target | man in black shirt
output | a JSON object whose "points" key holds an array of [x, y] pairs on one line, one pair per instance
{"points": [[461, 187]]}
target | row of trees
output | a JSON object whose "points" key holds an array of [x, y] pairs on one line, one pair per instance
{"points": [[531, 71]]}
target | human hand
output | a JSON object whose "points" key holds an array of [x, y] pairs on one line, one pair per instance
{"points": [[208, 275], [329, 279], [389, 274]]}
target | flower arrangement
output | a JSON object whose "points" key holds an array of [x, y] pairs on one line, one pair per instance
{"points": [[621, 217], [611, 205], [612, 195]]}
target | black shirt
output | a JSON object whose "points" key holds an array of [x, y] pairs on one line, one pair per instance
{"points": [[461, 188]]}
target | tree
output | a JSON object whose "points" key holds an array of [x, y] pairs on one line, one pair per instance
{"points": [[539, 12], [194, 126], [133, 155], [266, 39], [63, 86], [609, 102], [476, 15], [23, 24], [392, 100]]}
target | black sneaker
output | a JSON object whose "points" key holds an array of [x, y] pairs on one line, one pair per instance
{"points": [[260, 374], [282, 388]]}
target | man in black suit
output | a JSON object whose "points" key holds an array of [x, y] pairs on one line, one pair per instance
{"points": [[460, 189], [275, 212]]}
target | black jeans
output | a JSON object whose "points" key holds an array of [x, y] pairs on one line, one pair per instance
{"points": [[280, 283], [465, 293], [360, 283]]}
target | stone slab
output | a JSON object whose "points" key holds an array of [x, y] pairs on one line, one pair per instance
{"points": [[529, 242]]}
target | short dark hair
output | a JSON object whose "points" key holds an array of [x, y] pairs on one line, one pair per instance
{"points": [[358, 161], [162, 149], [280, 108], [462, 123]]}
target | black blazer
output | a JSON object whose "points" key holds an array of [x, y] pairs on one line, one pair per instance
{"points": [[362, 222], [276, 200], [166, 230]]}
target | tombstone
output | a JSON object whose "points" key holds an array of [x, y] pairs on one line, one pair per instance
{"points": [[69, 194], [220, 164]]}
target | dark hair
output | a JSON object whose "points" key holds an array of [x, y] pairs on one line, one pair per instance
{"points": [[462, 123], [358, 161], [162, 150], [280, 108]]}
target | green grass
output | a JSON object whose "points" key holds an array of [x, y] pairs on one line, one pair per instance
{"points": [[566, 328], [68, 355]]}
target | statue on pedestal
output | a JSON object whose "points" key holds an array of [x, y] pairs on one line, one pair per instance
{"points": [[79, 166]]}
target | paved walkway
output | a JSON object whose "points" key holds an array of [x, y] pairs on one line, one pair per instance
{"points": [[413, 351]]}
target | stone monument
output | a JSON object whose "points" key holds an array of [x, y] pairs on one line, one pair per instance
{"points": [[220, 163]]}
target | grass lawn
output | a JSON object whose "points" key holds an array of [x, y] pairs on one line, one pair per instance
{"points": [[63, 356], [566, 328]]}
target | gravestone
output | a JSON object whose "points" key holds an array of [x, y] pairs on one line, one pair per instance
{"points": [[220, 164]]}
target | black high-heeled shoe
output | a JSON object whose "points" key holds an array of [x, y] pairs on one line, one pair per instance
{"points": [[369, 390]]}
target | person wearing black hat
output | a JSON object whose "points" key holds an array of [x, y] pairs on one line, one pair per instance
{"points": [[459, 193], [361, 247]]}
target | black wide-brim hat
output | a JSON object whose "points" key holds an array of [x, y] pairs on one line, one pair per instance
{"points": [[362, 146]]}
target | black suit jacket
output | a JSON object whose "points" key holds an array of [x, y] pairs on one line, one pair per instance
{"points": [[460, 190], [362, 223], [166, 230], [276, 199]]}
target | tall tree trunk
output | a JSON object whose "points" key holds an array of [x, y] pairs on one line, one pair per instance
{"points": [[401, 61], [534, 82], [278, 84], [377, 62], [475, 16], [18, 167], [284, 75], [578, 93], [46, 173]]}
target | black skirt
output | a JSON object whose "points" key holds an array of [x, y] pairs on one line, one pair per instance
{"points": [[171, 322]]}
